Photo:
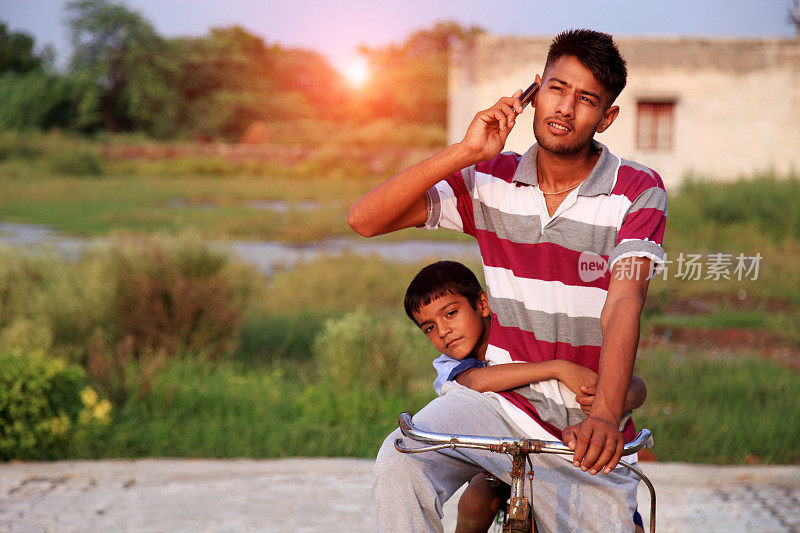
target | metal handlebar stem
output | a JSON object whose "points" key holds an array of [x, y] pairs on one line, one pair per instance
{"points": [[518, 449]]}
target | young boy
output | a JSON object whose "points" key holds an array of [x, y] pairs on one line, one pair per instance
{"points": [[448, 303]]}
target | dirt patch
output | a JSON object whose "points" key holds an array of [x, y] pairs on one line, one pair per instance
{"points": [[734, 341], [709, 303]]}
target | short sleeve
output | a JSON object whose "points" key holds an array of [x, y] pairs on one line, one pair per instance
{"points": [[449, 202], [464, 365], [448, 368], [443, 365], [642, 230]]}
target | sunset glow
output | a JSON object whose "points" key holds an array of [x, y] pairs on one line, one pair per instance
{"points": [[356, 71]]}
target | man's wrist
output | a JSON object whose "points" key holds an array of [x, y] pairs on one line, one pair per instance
{"points": [[605, 415], [463, 155]]}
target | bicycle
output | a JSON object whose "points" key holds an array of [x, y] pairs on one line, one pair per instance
{"points": [[520, 514]]}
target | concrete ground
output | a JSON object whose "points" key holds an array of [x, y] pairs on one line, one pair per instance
{"points": [[332, 495]]}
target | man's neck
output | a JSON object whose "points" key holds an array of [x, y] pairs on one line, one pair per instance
{"points": [[557, 171]]}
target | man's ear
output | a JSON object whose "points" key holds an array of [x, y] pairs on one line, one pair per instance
{"points": [[483, 305], [609, 116], [537, 79]]}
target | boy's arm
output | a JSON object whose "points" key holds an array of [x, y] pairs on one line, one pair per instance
{"points": [[637, 393], [399, 202], [508, 376]]}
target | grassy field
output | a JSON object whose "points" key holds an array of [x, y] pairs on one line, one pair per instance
{"points": [[286, 377], [83, 188]]}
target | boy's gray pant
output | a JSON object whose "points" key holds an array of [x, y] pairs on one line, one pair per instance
{"points": [[409, 490]]}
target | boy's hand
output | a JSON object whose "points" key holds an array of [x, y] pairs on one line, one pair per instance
{"points": [[488, 131], [586, 398]]}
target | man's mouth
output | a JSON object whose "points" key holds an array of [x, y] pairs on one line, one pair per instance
{"points": [[558, 126]]}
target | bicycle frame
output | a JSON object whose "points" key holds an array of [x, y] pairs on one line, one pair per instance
{"points": [[520, 511]]}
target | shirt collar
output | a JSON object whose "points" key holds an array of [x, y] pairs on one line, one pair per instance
{"points": [[600, 180]]}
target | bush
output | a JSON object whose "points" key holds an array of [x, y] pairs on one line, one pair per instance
{"points": [[275, 336], [340, 284], [381, 354], [747, 209], [40, 406], [168, 297], [124, 308], [75, 162], [15, 145]]}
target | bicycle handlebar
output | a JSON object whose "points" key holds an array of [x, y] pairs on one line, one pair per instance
{"points": [[440, 441], [518, 448]]}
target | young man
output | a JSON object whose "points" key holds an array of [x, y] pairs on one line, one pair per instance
{"points": [[536, 217], [451, 308]]}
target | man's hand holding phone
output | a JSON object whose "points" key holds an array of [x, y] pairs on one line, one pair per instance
{"points": [[488, 131]]}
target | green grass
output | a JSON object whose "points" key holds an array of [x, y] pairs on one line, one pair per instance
{"points": [[700, 409], [710, 409]]}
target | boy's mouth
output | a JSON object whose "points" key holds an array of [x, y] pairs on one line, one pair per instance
{"points": [[450, 343]]}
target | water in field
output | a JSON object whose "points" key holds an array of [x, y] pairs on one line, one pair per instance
{"points": [[264, 255]]}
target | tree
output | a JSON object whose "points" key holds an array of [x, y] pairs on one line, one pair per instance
{"points": [[16, 52], [126, 67], [409, 81], [794, 16], [245, 80]]}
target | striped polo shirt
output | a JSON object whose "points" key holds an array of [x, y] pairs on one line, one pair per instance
{"points": [[547, 276]]}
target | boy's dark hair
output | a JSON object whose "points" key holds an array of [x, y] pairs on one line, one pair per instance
{"points": [[597, 52], [438, 279]]}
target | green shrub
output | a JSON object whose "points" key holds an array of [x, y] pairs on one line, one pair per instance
{"points": [[745, 210], [380, 354], [267, 337], [125, 307], [340, 284], [16, 145], [168, 296], [40, 406], [75, 162]]}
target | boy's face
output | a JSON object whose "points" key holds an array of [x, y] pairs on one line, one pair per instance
{"points": [[452, 325]]}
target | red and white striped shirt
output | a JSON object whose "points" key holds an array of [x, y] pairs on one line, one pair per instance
{"points": [[545, 289]]}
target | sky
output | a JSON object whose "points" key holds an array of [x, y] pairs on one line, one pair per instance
{"points": [[337, 27]]}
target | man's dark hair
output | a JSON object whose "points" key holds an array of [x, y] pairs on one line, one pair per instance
{"points": [[597, 52], [439, 279]]}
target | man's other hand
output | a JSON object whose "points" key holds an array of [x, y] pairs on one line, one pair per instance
{"points": [[597, 444]]}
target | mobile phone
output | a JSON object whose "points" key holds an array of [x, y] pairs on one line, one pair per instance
{"points": [[529, 94]]}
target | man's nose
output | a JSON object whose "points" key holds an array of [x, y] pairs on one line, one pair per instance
{"points": [[566, 105]]}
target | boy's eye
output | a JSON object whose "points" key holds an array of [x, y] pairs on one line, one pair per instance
{"points": [[428, 328], [451, 313]]}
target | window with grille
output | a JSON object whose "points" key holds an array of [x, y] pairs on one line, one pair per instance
{"points": [[655, 126]]}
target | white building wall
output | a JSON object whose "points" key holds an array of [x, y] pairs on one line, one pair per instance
{"points": [[737, 102]]}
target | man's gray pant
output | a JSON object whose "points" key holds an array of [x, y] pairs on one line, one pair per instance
{"points": [[409, 490]]}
